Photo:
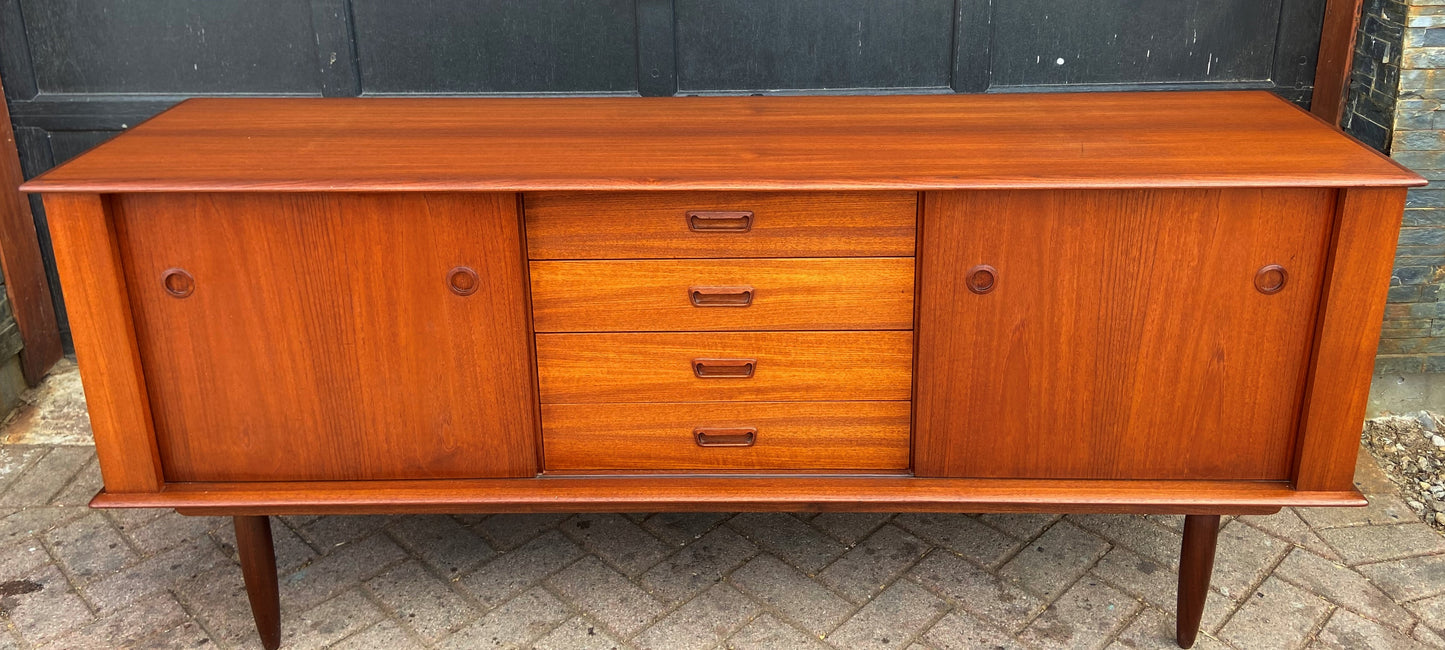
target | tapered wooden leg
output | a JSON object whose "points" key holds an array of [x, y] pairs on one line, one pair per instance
{"points": [[258, 567], [1196, 563]]}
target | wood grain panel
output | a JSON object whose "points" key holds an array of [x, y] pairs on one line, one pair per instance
{"points": [[1125, 337], [628, 225], [20, 255], [789, 436], [783, 294], [790, 366], [321, 340], [912, 142], [1357, 279], [87, 253]]}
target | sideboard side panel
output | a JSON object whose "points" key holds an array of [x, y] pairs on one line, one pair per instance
{"points": [[1352, 306], [87, 254]]}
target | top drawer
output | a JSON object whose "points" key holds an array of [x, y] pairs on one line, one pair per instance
{"points": [[649, 225]]}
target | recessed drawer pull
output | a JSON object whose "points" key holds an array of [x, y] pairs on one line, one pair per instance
{"points": [[724, 368], [725, 437], [704, 221], [721, 296]]}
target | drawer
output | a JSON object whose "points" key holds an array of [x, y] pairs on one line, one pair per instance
{"points": [[727, 436], [622, 225], [725, 366], [727, 294]]}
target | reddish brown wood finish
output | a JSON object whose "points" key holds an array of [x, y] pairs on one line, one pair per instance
{"points": [[1125, 337], [25, 281], [1336, 57], [628, 225], [783, 294], [258, 569], [726, 494], [789, 366], [322, 341], [1196, 563], [789, 436], [1357, 277], [897, 142], [87, 252]]}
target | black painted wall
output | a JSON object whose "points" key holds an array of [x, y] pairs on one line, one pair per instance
{"points": [[78, 71]]}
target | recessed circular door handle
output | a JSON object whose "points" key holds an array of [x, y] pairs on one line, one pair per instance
{"points": [[178, 282], [1271, 279], [981, 279], [463, 281]]}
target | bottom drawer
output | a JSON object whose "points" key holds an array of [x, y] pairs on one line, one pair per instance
{"points": [[811, 436]]}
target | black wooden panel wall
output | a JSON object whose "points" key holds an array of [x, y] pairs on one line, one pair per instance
{"points": [[78, 71]]}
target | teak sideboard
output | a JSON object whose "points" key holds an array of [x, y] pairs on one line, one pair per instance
{"points": [[1115, 302]]}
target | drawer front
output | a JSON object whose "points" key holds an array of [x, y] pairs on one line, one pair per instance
{"points": [[727, 436], [725, 366], [622, 225], [727, 294]]}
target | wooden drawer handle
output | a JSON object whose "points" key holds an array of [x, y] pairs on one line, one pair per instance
{"points": [[725, 437], [981, 279], [178, 283], [1271, 279], [724, 368], [721, 296], [704, 221]]}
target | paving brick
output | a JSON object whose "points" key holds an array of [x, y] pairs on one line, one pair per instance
{"points": [[1156, 584], [1242, 558], [186, 636], [1431, 611], [617, 540], [1346, 629], [1135, 533], [170, 530], [515, 624], [791, 594], [117, 591], [82, 488], [50, 609], [291, 550], [217, 597], [1153, 629], [1427, 637], [385, 634], [1383, 509], [698, 565], [849, 527], [510, 531], [128, 518], [1020, 525], [450, 548], [13, 461], [768, 633], [1053, 561], [868, 567], [44, 478], [891, 619], [682, 527], [1086, 615], [427, 606], [331, 531], [961, 534], [341, 569], [606, 596], [702, 622], [578, 634], [982, 594], [35, 521], [20, 558], [329, 622], [513, 572], [144, 618], [787, 537], [1277, 615], [963, 631], [1408, 579], [1287, 525], [89, 548], [1343, 587], [1369, 544]]}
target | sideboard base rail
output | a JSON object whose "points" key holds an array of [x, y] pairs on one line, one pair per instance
{"points": [[692, 494]]}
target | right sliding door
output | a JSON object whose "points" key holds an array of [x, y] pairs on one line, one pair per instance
{"points": [[1124, 334]]}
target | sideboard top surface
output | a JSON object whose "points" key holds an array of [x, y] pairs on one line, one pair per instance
{"points": [[922, 142]]}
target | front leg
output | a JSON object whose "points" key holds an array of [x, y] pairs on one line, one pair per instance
{"points": [[258, 568], [1196, 563]]}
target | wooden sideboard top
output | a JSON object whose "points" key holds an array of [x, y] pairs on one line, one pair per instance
{"points": [[923, 142]]}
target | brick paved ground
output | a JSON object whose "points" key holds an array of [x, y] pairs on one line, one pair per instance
{"points": [[75, 578]]}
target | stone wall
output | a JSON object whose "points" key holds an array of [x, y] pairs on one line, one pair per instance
{"points": [[1396, 92]]}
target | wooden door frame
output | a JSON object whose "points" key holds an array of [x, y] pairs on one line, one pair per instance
{"points": [[24, 269], [1337, 50]]}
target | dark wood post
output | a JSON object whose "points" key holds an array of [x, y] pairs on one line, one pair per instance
{"points": [[1196, 563], [258, 568]]}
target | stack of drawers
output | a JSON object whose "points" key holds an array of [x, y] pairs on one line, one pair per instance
{"points": [[723, 331]]}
